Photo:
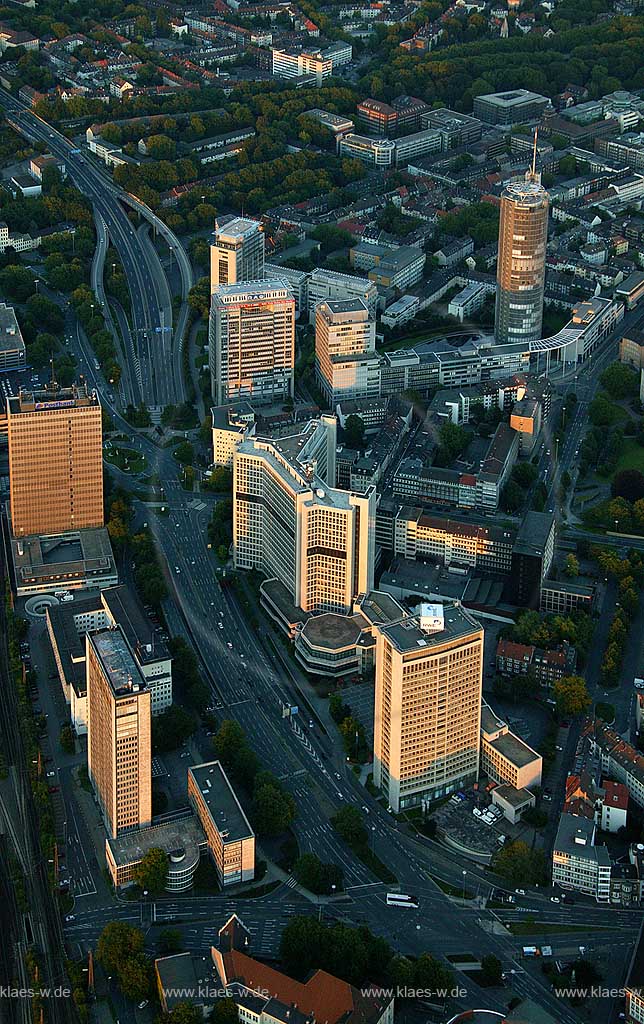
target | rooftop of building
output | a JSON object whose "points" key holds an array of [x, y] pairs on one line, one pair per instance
{"points": [[223, 806], [407, 636], [518, 652], [514, 749], [248, 291], [377, 606], [186, 974], [52, 397], [332, 632], [181, 839], [575, 837], [343, 306], [237, 228], [619, 750], [10, 335], [515, 797], [124, 607], [117, 661], [615, 794], [512, 98], [490, 721], [71, 556], [533, 533], [569, 587]]}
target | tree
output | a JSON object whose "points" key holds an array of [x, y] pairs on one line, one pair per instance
{"points": [[519, 865], [349, 825], [628, 484], [491, 970], [184, 453], [316, 876], [171, 728], [17, 282], [66, 740], [273, 808], [117, 943], [572, 566], [620, 381], [452, 440], [187, 1013], [134, 977], [354, 431], [169, 941], [571, 696], [224, 1012], [151, 873], [220, 481], [512, 496]]}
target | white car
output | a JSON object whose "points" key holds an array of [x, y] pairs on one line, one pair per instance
{"points": [[177, 569], [520, 892], [555, 899], [143, 1005], [70, 917], [229, 645], [221, 625], [50, 775]]}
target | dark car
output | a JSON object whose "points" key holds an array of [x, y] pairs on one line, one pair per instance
{"points": [[567, 899]]}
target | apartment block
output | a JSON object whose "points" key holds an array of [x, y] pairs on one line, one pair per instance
{"points": [[119, 750], [252, 342], [346, 363], [290, 521], [231, 840], [577, 863], [55, 460], [236, 252], [429, 670], [618, 760]]}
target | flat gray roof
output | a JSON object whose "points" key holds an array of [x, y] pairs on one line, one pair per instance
{"points": [[406, 634], [223, 806], [117, 661], [183, 836], [333, 631], [533, 533], [514, 749]]}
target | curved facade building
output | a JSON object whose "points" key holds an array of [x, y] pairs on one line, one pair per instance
{"points": [[523, 232]]}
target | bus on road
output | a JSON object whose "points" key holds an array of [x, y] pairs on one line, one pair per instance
{"points": [[398, 899]]}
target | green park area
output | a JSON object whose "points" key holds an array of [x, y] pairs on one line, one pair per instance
{"points": [[126, 459]]}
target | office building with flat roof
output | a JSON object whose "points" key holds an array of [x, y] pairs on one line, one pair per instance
{"points": [[532, 556], [12, 346], [379, 152], [505, 758], [577, 863], [236, 252], [231, 840], [317, 540], [510, 107], [119, 750], [252, 342], [429, 671], [55, 460], [346, 362], [454, 129], [68, 625], [521, 264], [329, 284], [75, 560]]}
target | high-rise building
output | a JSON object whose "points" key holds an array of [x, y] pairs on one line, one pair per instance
{"points": [[236, 252], [317, 540], [346, 362], [119, 751], [429, 670], [55, 460], [521, 266], [252, 342]]}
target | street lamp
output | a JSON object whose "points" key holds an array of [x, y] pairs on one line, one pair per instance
{"points": [[464, 874]]}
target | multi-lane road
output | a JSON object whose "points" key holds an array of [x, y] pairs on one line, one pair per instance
{"points": [[150, 341]]}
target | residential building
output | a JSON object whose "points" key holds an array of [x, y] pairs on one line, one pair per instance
{"points": [[18, 241], [429, 670], [346, 362], [69, 623], [576, 862], [618, 759], [119, 750], [468, 301], [401, 311], [526, 419], [546, 666], [329, 284], [290, 522], [521, 265], [252, 342], [185, 978], [55, 460], [236, 252], [262, 994], [288, 64], [508, 108], [614, 808], [505, 758], [379, 152], [12, 346], [399, 268], [454, 250], [532, 557], [231, 840]]}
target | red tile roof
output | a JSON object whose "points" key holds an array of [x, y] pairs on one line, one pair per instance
{"points": [[518, 652], [616, 794]]}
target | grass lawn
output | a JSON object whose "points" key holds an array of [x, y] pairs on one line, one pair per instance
{"points": [[532, 927], [135, 461], [632, 456]]}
